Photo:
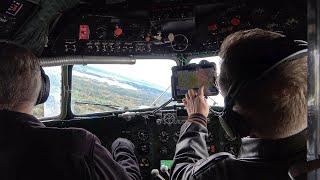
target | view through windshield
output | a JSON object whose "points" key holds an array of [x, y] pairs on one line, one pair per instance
{"points": [[52, 107], [106, 88], [110, 87]]}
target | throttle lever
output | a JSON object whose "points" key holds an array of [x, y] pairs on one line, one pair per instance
{"points": [[155, 173], [165, 170]]}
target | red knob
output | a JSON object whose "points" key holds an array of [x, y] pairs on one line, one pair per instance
{"points": [[213, 27], [118, 32], [212, 149], [235, 21]]}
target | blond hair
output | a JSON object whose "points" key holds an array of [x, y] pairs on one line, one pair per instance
{"points": [[19, 76], [275, 107]]}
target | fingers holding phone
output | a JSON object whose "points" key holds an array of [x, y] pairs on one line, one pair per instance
{"points": [[196, 103]]}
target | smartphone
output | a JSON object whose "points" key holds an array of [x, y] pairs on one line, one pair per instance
{"points": [[193, 76]]}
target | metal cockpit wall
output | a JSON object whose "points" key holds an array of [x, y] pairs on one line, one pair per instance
{"points": [[313, 142]]}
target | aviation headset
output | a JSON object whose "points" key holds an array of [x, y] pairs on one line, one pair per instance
{"points": [[45, 88], [233, 123], [45, 81]]}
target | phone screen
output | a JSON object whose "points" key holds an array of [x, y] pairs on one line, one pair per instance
{"points": [[193, 78]]}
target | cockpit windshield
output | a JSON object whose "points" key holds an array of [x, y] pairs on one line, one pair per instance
{"points": [[103, 88], [111, 87]]}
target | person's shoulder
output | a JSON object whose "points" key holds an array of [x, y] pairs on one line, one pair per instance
{"points": [[68, 132], [74, 140], [79, 133], [212, 163]]}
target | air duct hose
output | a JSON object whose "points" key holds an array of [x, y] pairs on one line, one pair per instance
{"points": [[71, 60]]}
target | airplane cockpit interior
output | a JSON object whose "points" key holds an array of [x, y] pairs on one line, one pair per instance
{"points": [[120, 68]]}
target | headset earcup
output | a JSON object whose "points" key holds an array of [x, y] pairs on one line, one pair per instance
{"points": [[44, 89]]}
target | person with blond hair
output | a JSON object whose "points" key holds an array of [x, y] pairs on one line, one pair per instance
{"points": [[264, 81]]}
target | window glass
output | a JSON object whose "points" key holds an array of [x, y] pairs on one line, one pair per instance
{"points": [[52, 107], [112, 87], [212, 100]]}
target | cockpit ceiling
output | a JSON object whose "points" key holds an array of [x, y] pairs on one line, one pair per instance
{"points": [[158, 28]]}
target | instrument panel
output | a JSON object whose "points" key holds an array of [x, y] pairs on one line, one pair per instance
{"points": [[154, 135], [189, 29], [13, 15]]}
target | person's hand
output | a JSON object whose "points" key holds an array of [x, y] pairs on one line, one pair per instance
{"points": [[196, 103]]}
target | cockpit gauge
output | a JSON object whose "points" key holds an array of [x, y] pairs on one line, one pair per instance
{"points": [[143, 136], [168, 118], [180, 43], [102, 32]]}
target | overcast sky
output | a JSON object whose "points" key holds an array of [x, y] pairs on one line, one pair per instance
{"points": [[157, 72]]}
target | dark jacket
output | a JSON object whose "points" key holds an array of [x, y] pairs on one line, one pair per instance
{"points": [[31, 151], [258, 159]]}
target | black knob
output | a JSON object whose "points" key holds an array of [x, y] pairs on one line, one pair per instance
{"points": [[164, 151], [143, 136], [164, 137], [144, 148]]}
